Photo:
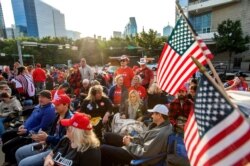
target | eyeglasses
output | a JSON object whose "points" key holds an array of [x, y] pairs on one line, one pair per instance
{"points": [[123, 60]]}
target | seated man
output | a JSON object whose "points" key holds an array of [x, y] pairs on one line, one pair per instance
{"points": [[154, 141], [41, 118], [28, 154], [181, 106]]}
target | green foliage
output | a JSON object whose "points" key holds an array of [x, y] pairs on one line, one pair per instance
{"points": [[95, 51], [230, 37], [150, 42]]}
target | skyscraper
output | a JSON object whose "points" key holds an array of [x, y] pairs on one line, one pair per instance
{"points": [[117, 34], [131, 27], [2, 24], [167, 30], [38, 19]]}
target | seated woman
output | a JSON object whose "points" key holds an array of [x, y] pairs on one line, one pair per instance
{"points": [[99, 107], [118, 93], [9, 108], [133, 108], [80, 147]]}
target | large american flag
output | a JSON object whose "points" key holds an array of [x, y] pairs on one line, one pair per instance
{"points": [[216, 133], [175, 66]]}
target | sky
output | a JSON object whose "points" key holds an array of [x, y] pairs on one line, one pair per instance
{"points": [[102, 17]]}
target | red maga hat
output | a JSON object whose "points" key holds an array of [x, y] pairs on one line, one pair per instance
{"points": [[61, 99], [78, 120]]}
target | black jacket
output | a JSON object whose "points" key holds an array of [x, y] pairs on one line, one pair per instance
{"points": [[53, 139]]}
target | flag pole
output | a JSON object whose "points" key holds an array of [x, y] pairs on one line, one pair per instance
{"points": [[179, 9], [203, 71]]}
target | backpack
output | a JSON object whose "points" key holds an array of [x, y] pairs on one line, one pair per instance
{"points": [[176, 151]]}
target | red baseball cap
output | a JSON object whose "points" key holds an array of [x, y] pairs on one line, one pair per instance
{"points": [[78, 120], [183, 88], [61, 99]]}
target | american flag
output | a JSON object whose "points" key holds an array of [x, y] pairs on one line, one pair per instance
{"points": [[216, 133], [175, 64], [204, 48]]}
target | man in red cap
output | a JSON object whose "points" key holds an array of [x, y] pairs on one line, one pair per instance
{"points": [[125, 71], [181, 106], [34, 153]]}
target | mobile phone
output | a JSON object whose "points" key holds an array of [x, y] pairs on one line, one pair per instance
{"points": [[37, 147]]}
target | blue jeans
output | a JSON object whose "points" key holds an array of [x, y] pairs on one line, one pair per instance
{"points": [[2, 129], [26, 157]]}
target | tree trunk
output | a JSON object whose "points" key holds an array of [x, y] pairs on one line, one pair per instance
{"points": [[230, 60]]}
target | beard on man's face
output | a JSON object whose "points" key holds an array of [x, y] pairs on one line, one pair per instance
{"points": [[181, 97]]}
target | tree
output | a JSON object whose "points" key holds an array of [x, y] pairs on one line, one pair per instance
{"points": [[150, 42], [230, 38]]}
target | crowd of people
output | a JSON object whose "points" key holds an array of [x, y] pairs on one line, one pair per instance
{"points": [[72, 122]]}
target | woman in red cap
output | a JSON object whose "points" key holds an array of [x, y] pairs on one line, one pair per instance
{"points": [[79, 147]]}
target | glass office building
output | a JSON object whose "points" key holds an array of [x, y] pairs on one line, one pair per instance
{"points": [[2, 24], [167, 30], [59, 23], [131, 27], [37, 19]]}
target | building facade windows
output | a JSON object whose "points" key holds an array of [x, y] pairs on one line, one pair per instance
{"points": [[201, 23], [2, 23], [167, 30], [37, 19], [131, 27]]}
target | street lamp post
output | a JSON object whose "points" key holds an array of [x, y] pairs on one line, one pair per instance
{"points": [[35, 44], [20, 52], [102, 57]]}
